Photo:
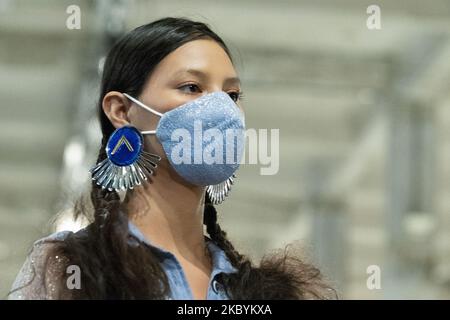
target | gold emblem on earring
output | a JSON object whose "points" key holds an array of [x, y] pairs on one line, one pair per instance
{"points": [[121, 141]]}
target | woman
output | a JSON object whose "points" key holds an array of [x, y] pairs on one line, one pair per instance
{"points": [[152, 245]]}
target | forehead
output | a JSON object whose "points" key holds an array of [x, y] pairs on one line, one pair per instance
{"points": [[204, 55]]}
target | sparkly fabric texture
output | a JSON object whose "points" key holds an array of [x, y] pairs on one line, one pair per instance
{"points": [[41, 272], [205, 122]]}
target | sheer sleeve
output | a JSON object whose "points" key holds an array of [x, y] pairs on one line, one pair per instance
{"points": [[41, 274]]}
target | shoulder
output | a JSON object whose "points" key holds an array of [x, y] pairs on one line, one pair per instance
{"points": [[52, 238], [56, 238], [43, 247], [40, 269]]}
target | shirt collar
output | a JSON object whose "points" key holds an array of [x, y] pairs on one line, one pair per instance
{"points": [[220, 261]]}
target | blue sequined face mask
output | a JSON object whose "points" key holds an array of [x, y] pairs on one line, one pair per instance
{"points": [[203, 139]]}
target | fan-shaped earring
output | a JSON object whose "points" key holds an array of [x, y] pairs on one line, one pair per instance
{"points": [[218, 192], [127, 165]]}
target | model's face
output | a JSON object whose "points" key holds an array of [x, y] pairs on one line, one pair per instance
{"points": [[192, 70]]}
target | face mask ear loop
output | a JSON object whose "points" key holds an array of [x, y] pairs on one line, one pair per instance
{"points": [[146, 108], [148, 132]]}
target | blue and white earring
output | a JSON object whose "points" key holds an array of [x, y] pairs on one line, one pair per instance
{"points": [[218, 192], [127, 165]]}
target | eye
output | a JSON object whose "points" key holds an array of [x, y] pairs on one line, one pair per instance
{"points": [[235, 96], [190, 88]]}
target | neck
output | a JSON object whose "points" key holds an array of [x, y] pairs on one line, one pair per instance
{"points": [[169, 213]]}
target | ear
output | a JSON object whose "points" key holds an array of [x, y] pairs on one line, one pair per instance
{"points": [[115, 105]]}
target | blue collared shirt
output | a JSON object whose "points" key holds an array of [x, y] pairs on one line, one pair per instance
{"points": [[30, 285], [179, 286]]}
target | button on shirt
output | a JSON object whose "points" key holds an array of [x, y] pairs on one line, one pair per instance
{"points": [[179, 286]]}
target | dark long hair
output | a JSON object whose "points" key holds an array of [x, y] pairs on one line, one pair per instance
{"points": [[114, 269]]}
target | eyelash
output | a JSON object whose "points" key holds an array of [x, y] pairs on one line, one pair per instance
{"points": [[240, 94]]}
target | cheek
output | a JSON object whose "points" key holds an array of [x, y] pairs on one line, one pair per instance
{"points": [[152, 145], [164, 99], [145, 121]]}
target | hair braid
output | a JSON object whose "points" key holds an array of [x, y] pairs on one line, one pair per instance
{"points": [[301, 280], [218, 235]]}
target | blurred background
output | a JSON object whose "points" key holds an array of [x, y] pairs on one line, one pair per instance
{"points": [[364, 119]]}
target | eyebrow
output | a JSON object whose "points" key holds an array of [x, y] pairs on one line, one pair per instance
{"points": [[204, 76]]}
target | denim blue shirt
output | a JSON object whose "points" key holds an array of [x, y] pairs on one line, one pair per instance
{"points": [[31, 283], [179, 286]]}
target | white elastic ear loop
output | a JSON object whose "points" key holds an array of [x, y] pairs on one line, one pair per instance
{"points": [[146, 108]]}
